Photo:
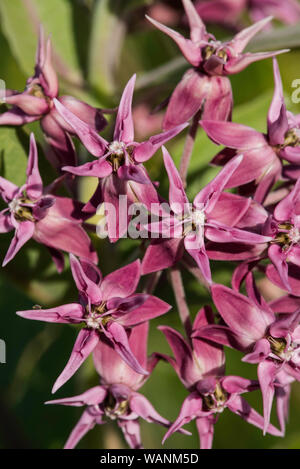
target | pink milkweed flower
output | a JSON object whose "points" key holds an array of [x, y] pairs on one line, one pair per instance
{"points": [[272, 341], [282, 141], [119, 164], [36, 103], [106, 306], [117, 397], [200, 365], [285, 246], [50, 220], [206, 84], [228, 12], [192, 223], [224, 12], [287, 12]]}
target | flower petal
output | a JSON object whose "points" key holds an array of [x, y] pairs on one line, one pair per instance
{"points": [[197, 27], [117, 334], [23, 233], [161, 254], [66, 314], [93, 396], [95, 144], [241, 39], [241, 315], [83, 347], [98, 168], [188, 371], [186, 99], [83, 282], [177, 196], [122, 282], [239, 406], [191, 407], [145, 150], [86, 423], [151, 308], [277, 115], [266, 372], [205, 427], [191, 51], [34, 184]]}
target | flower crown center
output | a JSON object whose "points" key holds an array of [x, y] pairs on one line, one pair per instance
{"points": [[21, 211]]}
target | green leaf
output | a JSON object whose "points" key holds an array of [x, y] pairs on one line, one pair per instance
{"points": [[14, 150], [107, 35], [20, 21]]}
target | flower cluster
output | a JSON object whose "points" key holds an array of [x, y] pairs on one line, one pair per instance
{"points": [[256, 224]]}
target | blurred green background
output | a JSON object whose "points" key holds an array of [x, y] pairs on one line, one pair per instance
{"points": [[98, 45]]}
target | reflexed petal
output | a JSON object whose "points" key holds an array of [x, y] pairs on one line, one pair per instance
{"points": [[190, 409], [111, 366], [83, 426], [239, 406], [210, 356], [131, 432], [186, 99], [267, 371], [205, 427], [278, 257], [70, 313], [83, 347], [197, 250], [142, 407]]}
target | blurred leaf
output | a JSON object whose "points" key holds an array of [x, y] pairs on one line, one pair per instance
{"points": [[13, 154], [21, 19], [132, 4], [107, 35]]}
